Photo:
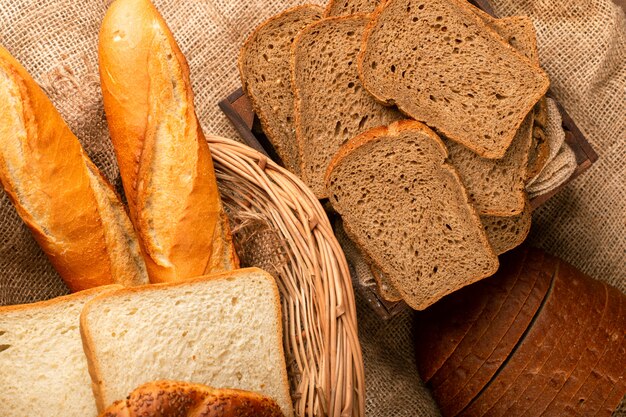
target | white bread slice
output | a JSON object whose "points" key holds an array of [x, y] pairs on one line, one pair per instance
{"points": [[222, 330], [43, 371]]}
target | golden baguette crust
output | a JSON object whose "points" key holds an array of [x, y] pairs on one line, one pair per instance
{"points": [[72, 211], [178, 399], [164, 159]]}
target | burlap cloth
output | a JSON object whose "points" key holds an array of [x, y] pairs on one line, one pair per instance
{"points": [[582, 45]]}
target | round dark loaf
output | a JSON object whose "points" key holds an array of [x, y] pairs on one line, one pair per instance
{"points": [[178, 399]]}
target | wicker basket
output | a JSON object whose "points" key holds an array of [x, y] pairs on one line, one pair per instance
{"points": [[319, 316]]}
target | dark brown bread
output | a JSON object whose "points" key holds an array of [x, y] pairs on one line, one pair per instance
{"points": [[506, 233], [592, 350], [348, 7], [182, 399], [407, 209], [490, 92], [540, 148], [549, 378], [331, 106], [608, 370], [264, 67], [443, 326], [534, 349], [497, 343]]}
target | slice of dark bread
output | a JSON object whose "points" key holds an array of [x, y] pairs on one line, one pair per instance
{"points": [[442, 65], [407, 210], [506, 233], [497, 186], [443, 327], [500, 338], [331, 106], [348, 7], [264, 68]]}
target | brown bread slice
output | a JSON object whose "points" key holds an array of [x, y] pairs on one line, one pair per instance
{"points": [[348, 7], [550, 377], [497, 186], [407, 209], [442, 65], [534, 349], [500, 339], [593, 349], [264, 68], [506, 233], [443, 326], [608, 370], [331, 106]]}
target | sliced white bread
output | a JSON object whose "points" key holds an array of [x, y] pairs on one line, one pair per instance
{"points": [[43, 370], [264, 68], [408, 211], [223, 330], [442, 65]]}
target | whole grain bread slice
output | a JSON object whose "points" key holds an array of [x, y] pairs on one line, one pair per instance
{"points": [[497, 186], [506, 233], [348, 7], [331, 106], [442, 65], [407, 209], [264, 68], [539, 148]]}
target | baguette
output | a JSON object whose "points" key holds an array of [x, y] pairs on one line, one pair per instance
{"points": [[164, 159], [72, 211]]}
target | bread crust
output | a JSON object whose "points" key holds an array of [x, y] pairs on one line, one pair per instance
{"points": [[163, 156], [293, 165], [176, 398], [94, 366], [72, 211], [477, 20]]}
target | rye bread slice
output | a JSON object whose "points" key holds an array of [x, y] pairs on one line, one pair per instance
{"points": [[552, 375], [511, 281], [264, 68], [499, 341], [497, 186], [608, 371], [534, 349], [592, 350], [506, 233], [348, 7], [408, 211], [331, 106], [442, 65], [441, 327]]}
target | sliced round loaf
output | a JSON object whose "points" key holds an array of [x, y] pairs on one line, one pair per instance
{"points": [[533, 400], [610, 369], [477, 370], [514, 285], [265, 71], [182, 399], [407, 209]]}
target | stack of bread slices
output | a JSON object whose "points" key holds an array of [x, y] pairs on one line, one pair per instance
{"points": [[538, 338], [421, 122]]}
